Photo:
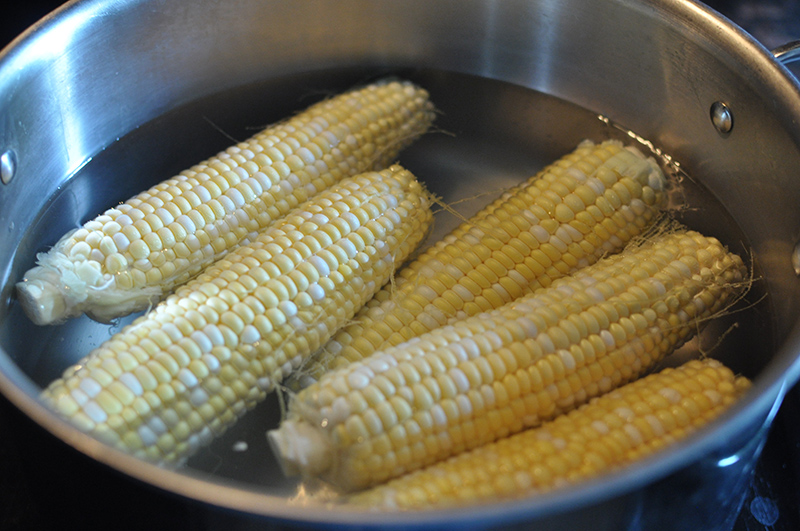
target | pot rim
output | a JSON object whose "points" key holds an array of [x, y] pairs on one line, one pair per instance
{"points": [[768, 389]]}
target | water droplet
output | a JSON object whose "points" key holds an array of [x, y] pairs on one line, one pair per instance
{"points": [[239, 446], [764, 510]]}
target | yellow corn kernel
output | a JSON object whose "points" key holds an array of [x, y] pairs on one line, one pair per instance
{"points": [[605, 435], [195, 381], [556, 362], [507, 235], [235, 193]]}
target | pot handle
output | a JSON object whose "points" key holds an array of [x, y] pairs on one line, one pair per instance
{"points": [[787, 53]]}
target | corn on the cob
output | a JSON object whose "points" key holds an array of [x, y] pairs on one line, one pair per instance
{"points": [[135, 253], [185, 371], [485, 377], [606, 434], [588, 204]]}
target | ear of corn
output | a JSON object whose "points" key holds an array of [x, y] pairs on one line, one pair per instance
{"points": [[488, 376], [182, 373], [586, 205], [132, 255], [604, 435]]}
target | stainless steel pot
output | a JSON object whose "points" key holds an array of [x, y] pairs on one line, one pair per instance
{"points": [[103, 98]]}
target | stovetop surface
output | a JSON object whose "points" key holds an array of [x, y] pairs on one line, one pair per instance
{"points": [[773, 498]]}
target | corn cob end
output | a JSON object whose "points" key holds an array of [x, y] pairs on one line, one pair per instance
{"points": [[301, 449], [40, 296], [59, 288]]}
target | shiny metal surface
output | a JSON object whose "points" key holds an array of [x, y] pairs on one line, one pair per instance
{"points": [[97, 71], [721, 117], [8, 166], [788, 53]]}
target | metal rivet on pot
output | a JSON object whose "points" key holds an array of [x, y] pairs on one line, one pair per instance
{"points": [[721, 117], [8, 166]]}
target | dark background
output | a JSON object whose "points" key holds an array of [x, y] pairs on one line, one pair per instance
{"points": [[29, 501]]}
